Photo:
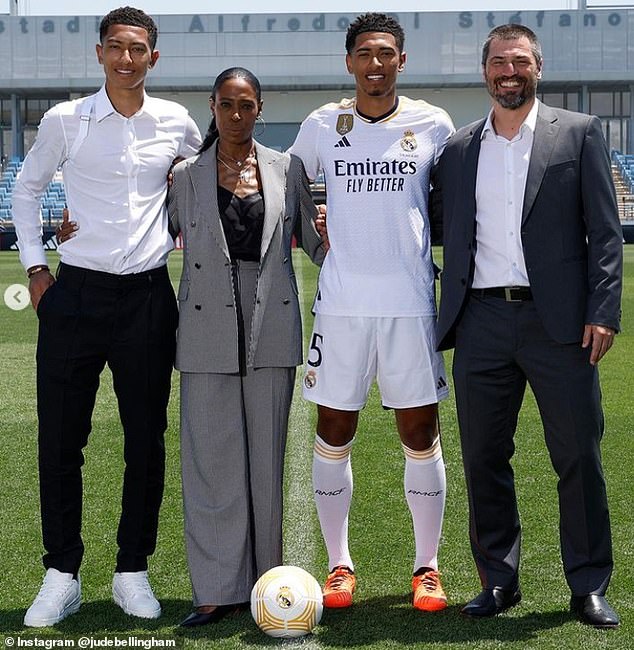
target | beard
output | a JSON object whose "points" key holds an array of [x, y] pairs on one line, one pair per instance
{"points": [[509, 99]]}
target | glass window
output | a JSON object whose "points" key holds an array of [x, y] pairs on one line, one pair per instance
{"points": [[563, 99], [614, 135], [625, 108], [29, 138], [5, 112], [556, 100], [602, 104], [5, 144], [572, 101], [35, 108]]}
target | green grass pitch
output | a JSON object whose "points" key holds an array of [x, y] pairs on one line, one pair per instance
{"points": [[380, 527]]}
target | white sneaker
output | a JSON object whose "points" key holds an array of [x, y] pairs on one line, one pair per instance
{"points": [[59, 596], [132, 592]]}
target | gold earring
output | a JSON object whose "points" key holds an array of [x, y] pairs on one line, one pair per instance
{"points": [[259, 121]]}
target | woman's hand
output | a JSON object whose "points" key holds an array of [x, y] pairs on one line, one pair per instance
{"points": [[66, 230]]}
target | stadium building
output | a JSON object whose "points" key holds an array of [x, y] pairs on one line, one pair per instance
{"points": [[299, 58]]}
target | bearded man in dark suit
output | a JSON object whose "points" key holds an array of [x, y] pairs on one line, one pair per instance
{"points": [[531, 292]]}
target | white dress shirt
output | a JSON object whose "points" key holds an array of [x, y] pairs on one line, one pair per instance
{"points": [[500, 185], [115, 184]]}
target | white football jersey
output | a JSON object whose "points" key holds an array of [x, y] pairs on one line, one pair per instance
{"points": [[377, 188]]}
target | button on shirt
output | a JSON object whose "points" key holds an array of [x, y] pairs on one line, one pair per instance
{"points": [[500, 185], [115, 183]]}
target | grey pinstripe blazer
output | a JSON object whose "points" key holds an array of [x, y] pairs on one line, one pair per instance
{"points": [[207, 331]]}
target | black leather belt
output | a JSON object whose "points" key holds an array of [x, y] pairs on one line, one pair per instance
{"points": [[81, 275], [510, 294]]}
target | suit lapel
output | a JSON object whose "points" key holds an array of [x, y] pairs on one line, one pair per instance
{"points": [[546, 132], [204, 178], [270, 166], [470, 170], [272, 176]]}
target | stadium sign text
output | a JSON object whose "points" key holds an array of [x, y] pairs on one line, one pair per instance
{"points": [[199, 23], [465, 20]]}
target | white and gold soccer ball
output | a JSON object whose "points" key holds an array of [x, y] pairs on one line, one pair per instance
{"points": [[286, 602]]}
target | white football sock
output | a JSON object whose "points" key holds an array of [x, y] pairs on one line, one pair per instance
{"points": [[332, 488], [425, 488]]}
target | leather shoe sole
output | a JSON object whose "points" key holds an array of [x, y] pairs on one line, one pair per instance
{"points": [[206, 618], [490, 602], [594, 610]]}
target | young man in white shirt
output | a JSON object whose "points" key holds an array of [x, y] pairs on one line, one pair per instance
{"points": [[375, 307], [111, 303]]}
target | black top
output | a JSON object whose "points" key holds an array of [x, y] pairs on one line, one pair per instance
{"points": [[242, 221]]}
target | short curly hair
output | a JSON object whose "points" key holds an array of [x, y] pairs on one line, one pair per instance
{"points": [[374, 22], [129, 16]]}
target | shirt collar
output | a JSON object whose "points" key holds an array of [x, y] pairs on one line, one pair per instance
{"points": [[104, 107], [529, 123]]}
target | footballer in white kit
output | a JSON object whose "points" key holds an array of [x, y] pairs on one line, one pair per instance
{"points": [[375, 308], [379, 266]]}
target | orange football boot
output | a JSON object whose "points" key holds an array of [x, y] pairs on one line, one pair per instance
{"points": [[339, 587], [428, 592]]}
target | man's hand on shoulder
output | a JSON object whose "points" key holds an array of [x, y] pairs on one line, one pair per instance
{"points": [[320, 225]]}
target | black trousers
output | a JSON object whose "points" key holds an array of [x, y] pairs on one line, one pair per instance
{"points": [[88, 319], [500, 346]]}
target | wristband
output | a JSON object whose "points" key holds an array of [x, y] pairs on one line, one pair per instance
{"points": [[35, 269]]}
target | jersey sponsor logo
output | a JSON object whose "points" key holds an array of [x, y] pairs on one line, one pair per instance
{"points": [[370, 167], [408, 141], [383, 184], [344, 142], [374, 175], [418, 493], [345, 121]]}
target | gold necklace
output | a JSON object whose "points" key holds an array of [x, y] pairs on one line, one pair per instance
{"points": [[244, 174], [237, 161]]}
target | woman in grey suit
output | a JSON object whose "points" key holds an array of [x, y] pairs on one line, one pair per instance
{"points": [[238, 205]]}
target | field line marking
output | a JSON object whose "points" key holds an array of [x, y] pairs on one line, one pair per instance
{"points": [[300, 530]]}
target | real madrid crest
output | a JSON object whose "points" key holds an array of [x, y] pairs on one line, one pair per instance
{"points": [[310, 379], [344, 123], [285, 597], [408, 141]]}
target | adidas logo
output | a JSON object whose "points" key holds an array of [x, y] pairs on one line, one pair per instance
{"points": [[343, 143], [441, 382]]}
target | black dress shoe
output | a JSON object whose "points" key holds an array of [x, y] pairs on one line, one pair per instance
{"points": [[490, 602], [594, 610], [205, 618]]}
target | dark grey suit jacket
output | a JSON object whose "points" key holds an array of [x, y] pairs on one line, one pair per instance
{"points": [[571, 235], [207, 330]]}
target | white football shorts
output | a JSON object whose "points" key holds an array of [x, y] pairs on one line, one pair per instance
{"points": [[346, 353]]}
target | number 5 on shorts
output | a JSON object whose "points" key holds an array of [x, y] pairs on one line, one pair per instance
{"points": [[314, 345]]}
